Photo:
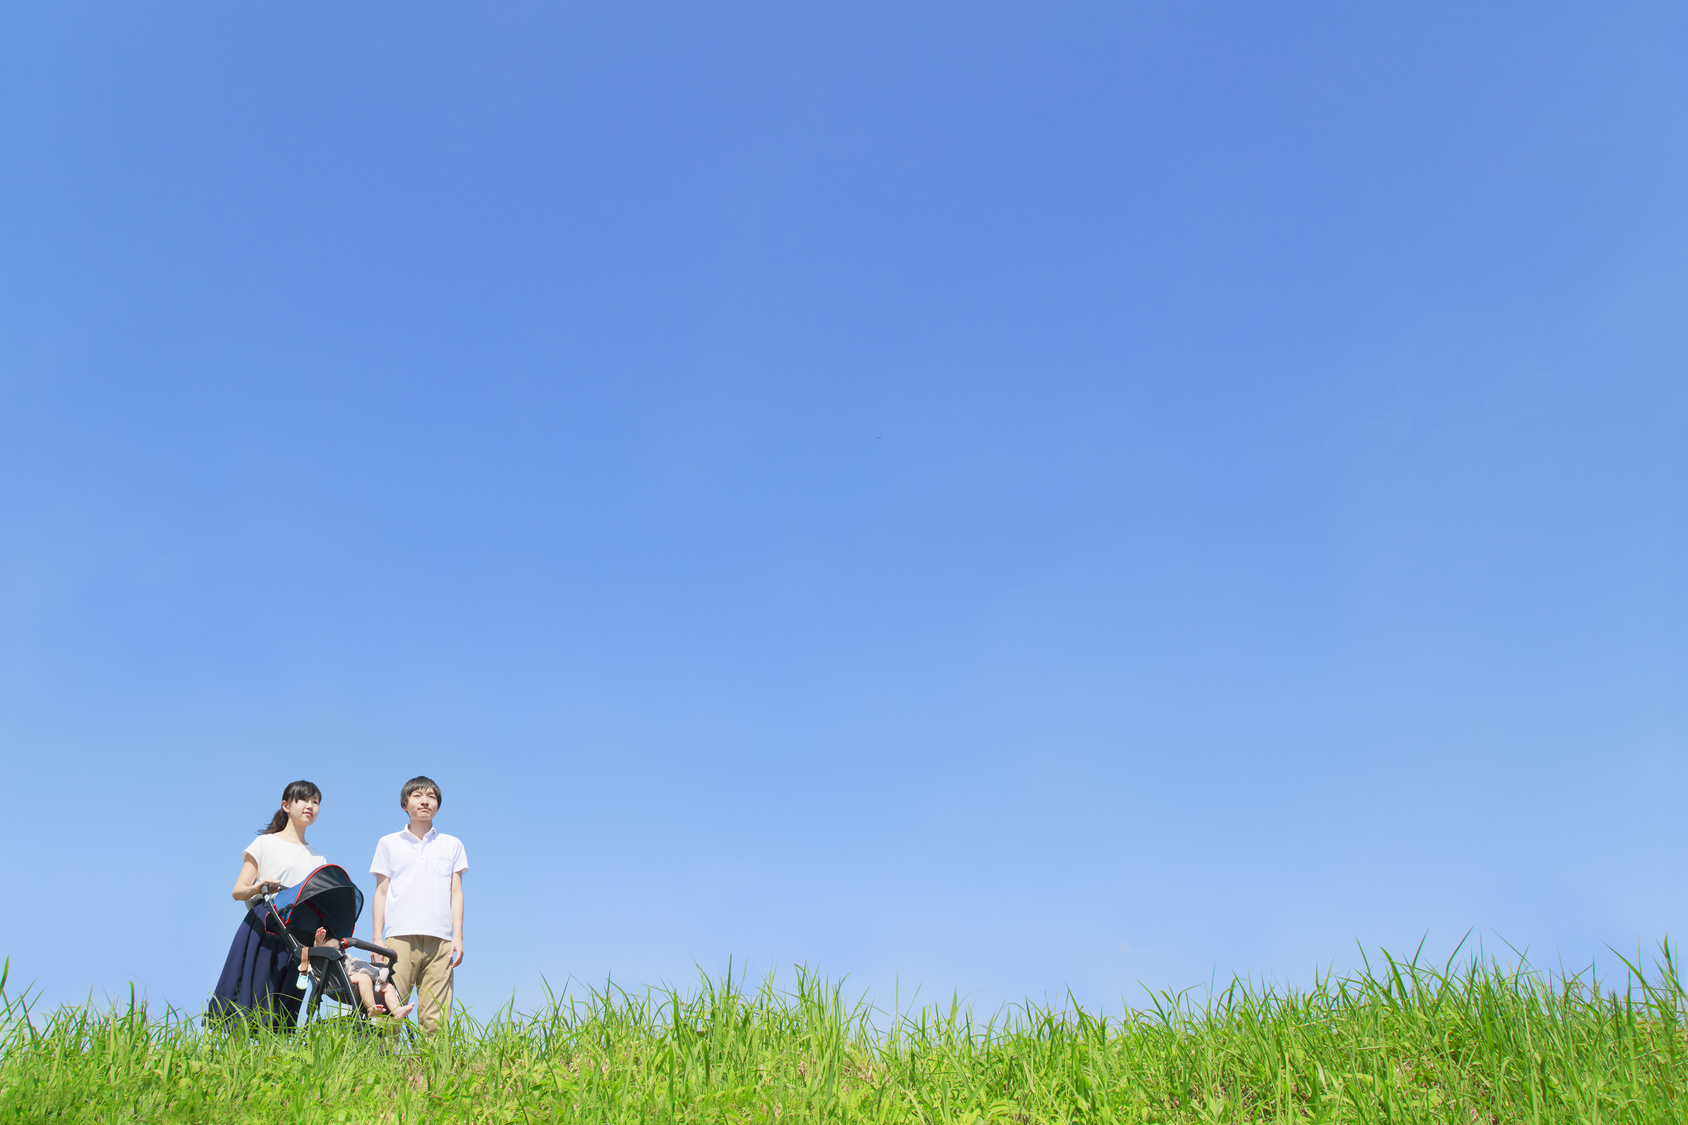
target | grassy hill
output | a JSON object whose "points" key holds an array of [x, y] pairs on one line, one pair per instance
{"points": [[1400, 1042]]}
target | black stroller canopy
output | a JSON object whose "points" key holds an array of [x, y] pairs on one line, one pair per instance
{"points": [[327, 899]]}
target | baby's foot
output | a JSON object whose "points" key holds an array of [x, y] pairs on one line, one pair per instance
{"points": [[400, 1013], [321, 935]]}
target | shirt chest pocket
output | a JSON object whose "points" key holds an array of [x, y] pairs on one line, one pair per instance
{"points": [[440, 867]]}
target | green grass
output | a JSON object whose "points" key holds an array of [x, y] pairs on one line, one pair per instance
{"points": [[1398, 1042]]}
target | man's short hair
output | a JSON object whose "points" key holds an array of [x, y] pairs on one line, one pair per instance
{"points": [[416, 783]]}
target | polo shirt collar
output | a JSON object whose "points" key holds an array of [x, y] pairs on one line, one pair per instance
{"points": [[405, 832]]}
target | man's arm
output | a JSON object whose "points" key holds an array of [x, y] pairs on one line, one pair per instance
{"points": [[456, 918], [380, 913]]}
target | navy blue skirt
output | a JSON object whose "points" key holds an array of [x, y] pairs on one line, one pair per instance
{"points": [[260, 978]]}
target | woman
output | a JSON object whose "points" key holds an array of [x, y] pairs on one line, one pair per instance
{"points": [[259, 976]]}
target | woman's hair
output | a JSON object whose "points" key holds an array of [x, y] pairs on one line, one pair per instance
{"points": [[416, 783], [295, 791]]}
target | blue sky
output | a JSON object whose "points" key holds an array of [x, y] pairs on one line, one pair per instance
{"points": [[1008, 498]]}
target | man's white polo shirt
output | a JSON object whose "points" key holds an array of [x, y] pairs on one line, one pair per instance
{"points": [[418, 881]]}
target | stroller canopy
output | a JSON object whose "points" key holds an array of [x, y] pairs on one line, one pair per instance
{"points": [[327, 898]]}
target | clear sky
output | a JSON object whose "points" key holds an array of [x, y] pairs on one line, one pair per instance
{"points": [[1003, 497]]}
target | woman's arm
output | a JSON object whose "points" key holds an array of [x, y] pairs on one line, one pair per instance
{"points": [[246, 885]]}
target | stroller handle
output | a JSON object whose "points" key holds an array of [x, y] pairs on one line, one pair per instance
{"points": [[358, 943]]}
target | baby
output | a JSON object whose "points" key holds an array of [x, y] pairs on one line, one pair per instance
{"points": [[369, 980]]}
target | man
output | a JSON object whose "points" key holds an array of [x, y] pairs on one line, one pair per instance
{"points": [[419, 903]]}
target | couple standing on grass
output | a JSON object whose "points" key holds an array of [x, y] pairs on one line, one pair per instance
{"points": [[418, 908]]}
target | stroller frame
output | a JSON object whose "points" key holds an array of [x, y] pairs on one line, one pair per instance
{"points": [[327, 967]]}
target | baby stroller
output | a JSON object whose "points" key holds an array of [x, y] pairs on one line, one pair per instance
{"points": [[326, 899]]}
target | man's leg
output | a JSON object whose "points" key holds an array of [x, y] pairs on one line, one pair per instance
{"points": [[406, 968], [433, 986], [425, 965]]}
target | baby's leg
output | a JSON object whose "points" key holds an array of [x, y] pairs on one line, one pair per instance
{"points": [[366, 992], [390, 995], [322, 938]]}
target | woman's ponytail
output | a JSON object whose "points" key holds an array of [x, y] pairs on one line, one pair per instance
{"points": [[295, 791]]}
